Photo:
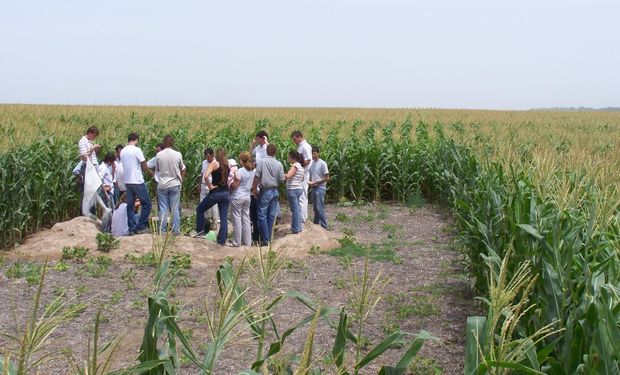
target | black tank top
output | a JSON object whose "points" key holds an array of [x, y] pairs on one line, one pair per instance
{"points": [[218, 180]]}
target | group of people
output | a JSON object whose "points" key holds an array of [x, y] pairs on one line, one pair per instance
{"points": [[248, 189]]}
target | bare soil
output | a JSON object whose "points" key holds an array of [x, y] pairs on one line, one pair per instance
{"points": [[428, 289]]}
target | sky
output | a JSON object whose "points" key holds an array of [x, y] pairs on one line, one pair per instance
{"points": [[478, 54]]}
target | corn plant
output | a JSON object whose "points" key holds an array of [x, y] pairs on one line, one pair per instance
{"points": [[30, 337]]}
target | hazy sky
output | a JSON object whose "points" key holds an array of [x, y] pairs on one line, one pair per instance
{"points": [[328, 53]]}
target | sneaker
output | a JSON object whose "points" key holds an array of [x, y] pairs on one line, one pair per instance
{"points": [[142, 231], [131, 233]]}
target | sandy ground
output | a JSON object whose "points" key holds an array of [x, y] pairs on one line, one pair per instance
{"points": [[81, 231], [428, 289]]}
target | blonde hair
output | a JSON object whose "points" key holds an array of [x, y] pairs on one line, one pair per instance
{"points": [[245, 159]]}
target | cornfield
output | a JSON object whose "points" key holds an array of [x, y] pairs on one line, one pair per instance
{"points": [[541, 187]]}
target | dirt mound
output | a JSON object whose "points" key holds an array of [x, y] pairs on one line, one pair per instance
{"points": [[81, 231]]}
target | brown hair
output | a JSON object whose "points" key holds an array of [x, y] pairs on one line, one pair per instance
{"points": [[245, 159], [92, 130], [296, 156], [168, 141], [220, 156]]}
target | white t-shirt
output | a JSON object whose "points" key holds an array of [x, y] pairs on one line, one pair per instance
{"points": [[119, 176], [119, 221], [85, 146], [318, 171], [245, 184], [169, 164], [131, 157], [105, 172], [260, 152], [305, 150]]}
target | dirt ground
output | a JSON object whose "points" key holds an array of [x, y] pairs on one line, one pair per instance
{"points": [[427, 289]]}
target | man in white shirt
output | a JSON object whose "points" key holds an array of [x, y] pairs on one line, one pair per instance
{"points": [[319, 175], [258, 147], [134, 165], [305, 150], [169, 165]]}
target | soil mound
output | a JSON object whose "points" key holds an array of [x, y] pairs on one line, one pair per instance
{"points": [[82, 231]]}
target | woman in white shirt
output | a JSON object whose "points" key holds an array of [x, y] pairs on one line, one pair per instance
{"points": [[294, 188], [240, 201]]}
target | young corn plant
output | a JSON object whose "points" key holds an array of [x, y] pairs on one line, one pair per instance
{"points": [[94, 364], [29, 338], [365, 292]]}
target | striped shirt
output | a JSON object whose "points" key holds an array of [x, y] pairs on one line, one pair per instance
{"points": [[85, 146], [296, 182]]}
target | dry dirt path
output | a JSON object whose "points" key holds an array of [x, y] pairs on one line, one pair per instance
{"points": [[428, 289]]}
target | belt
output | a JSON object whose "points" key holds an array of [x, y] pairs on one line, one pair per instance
{"points": [[268, 188]]}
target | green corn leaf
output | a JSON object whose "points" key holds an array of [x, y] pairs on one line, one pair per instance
{"points": [[475, 333]]}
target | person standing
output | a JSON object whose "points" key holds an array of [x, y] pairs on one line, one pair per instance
{"points": [[294, 185], [305, 150], [268, 174], [319, 175], [169, 165], [258, 147], [134, 164], [213, 212], [240, 201], [218, 194], [119, 179], [87, 151]]}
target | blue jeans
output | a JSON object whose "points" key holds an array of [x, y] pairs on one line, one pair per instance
{"points": [[267, 203], [293, 196], [318, 196], [168, 201], [222, 199], [137, 191]]}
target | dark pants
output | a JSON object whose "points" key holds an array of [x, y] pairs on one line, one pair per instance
{"points": [[254, 219], [222, 199], [137, 191]]}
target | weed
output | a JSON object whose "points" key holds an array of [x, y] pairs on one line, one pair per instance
{"points": [[376, 252], [401, 307], [77, 253], [95, 267], [181, 261], [144, 260], [106, 242], [30, 271], [116, 297], [128, 277], [81, 289], [425, 366], [342, 217], [61, 266]]}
